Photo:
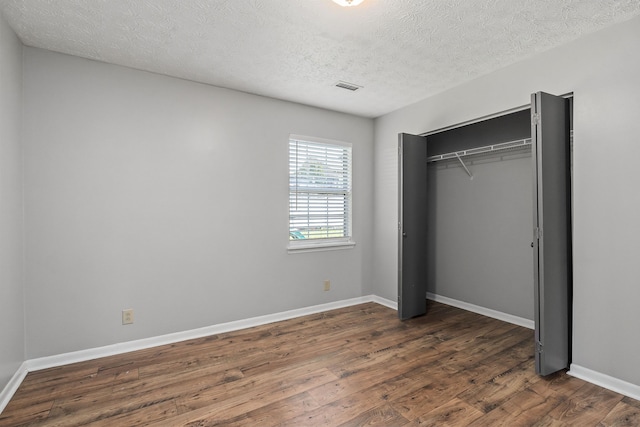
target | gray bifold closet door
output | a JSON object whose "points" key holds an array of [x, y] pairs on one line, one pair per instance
{"points": [[550, 136], [550, 145], [412, 225]]}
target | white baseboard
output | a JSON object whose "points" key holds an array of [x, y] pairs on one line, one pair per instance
{"points": [[7, 393], [385, 302], [606, 381], [145, 343], [509, 318], [110, 350], [594, 377]]}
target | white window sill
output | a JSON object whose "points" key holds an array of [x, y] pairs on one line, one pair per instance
{"points": [[300, 247]]}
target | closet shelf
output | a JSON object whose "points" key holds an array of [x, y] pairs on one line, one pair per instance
{"points": [[480, 150]]}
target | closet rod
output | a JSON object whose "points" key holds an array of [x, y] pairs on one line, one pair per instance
{"points": [[480, 150]]}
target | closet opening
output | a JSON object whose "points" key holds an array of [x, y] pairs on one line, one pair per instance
{"points": [[487, 186]]}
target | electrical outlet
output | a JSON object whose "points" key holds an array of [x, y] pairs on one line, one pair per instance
{"points": [[127, 316], [327, 285]]}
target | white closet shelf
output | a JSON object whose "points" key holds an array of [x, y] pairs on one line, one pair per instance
{"points": [[480, 150]]}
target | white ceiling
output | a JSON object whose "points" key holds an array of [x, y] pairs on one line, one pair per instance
{"points": [[400, 51]]}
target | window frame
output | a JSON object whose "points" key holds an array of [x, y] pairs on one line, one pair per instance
{"points": [[321, 244]]}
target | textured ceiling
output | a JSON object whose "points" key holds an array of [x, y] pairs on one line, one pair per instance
{"points": [[400, 51]]}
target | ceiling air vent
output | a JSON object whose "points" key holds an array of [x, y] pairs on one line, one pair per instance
{"points": [[348, 86]]}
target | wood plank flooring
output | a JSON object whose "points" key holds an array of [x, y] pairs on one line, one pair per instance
{"points": [[349, 367]]}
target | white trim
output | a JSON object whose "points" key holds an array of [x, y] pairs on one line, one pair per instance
{"points": [[606, 381], [145, 343], [10, 389], [386, 302], [110, 350], [301, 247], [317, 140], [505, 317]]}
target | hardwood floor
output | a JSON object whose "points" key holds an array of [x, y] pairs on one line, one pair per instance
{"points": [[348, 367]]}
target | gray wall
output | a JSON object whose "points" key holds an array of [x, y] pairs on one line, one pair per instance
{"points": [[168, 197], [11, 253], [139, 189], [480, 232], [602, 70]]}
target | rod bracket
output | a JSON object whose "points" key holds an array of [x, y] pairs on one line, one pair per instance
{"points": [[465, 167]]}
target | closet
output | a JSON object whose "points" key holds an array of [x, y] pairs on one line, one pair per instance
{"points": [[484, 217]]}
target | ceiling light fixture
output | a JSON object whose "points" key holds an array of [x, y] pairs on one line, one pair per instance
{"points": [[347, 3]]}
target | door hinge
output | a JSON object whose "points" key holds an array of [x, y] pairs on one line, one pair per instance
{"points": [[537, 233], [535, 118], [539, 347]]}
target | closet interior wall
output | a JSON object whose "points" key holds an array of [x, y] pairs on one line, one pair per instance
{"points": [[480, 230]]}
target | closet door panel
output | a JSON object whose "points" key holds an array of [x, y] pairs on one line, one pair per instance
{"points": [[412, 226], [551, 229]]}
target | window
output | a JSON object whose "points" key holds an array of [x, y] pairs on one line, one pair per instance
{"points": [[319, 194]]}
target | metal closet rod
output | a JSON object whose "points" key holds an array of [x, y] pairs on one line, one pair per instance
{"points": [[480, 150]]}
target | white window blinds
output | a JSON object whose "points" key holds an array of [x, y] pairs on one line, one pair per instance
{"points": [[319, 190]]}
